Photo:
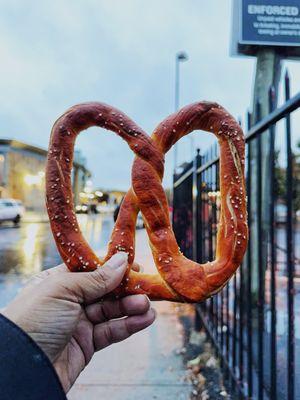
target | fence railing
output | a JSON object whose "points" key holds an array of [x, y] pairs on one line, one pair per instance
{"points": [[252, 321]]}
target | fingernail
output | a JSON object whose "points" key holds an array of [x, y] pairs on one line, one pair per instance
{"points": [[154, 312], [147, 298], [118, 260]]}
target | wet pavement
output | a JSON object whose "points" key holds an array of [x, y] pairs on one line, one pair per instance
{"points": [[143, 367], [30, 248], [146, 366]]}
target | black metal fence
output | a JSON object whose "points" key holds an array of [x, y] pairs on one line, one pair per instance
{"points": [[254, 322]]}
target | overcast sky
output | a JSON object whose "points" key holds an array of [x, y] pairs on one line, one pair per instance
{"points": [[58, 53]]}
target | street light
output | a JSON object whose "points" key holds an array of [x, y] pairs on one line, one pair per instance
{"points": [[180, 57]]}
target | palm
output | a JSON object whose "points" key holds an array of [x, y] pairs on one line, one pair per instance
{"points": [[62, 313], [77, 353], [94, 327]]}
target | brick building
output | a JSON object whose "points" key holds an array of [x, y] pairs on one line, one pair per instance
{"points": [[22, 173]]}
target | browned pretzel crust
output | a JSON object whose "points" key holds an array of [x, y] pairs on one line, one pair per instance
{"points": [[179, 278]]}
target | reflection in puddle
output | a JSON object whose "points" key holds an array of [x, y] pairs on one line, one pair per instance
{"points": [[30, 248], [32, 257]]}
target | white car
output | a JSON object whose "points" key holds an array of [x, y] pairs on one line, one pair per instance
{"points": [[140, 222], [281, 213], [11, 210]]}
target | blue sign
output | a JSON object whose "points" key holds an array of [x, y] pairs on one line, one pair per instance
{"points": [[270, 22]]}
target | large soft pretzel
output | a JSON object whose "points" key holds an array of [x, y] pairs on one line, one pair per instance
{"points": [[179, 278]]}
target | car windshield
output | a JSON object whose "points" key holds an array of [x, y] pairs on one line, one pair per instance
{"points": [[5, 203], [281, 207]]}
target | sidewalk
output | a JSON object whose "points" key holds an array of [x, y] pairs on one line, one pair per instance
{"points": [[146, 365]]}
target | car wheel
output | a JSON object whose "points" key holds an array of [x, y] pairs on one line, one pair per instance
{"points": [[17, 220]]}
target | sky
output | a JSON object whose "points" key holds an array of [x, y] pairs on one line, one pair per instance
{"points": [[57, 53]]}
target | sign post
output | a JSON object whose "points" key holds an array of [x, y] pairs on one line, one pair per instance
{"points": [[270, 31]]}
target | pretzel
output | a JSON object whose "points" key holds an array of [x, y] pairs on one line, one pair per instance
{"points": [[178, 279]]}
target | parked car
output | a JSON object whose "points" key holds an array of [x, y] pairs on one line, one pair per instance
{"points": [[11, 210], [82, 209], [281, 213]]}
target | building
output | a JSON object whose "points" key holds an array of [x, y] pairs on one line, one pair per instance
{"points": [[115, 196], [22, 173]]}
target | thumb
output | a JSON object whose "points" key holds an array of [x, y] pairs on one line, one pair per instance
{"points": [[90, 286]]}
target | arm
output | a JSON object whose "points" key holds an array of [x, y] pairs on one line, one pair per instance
{"points": [[26, 372], [64, 313]]}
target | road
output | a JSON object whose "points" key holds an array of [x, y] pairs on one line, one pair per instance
{"points": [[30, 248]]}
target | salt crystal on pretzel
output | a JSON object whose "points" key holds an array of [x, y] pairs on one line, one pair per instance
{"points": [[179, 279]]}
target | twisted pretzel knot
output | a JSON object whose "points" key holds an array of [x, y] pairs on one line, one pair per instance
{"points": [[179, 278]]}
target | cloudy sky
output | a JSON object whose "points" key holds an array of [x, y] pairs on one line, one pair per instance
{"points": [[56, 53]]}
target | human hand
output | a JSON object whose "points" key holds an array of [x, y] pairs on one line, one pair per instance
{"points": [[64, 314]]}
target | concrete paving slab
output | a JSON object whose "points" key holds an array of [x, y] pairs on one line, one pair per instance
{"points": [[133, 393]]}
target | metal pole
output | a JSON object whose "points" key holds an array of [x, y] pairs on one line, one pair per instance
{"points": [[272, 199], [249, 273], [196, 208], [180, 57], [176, 106], [192, 143], [260, 302], [177, 81], [290, 251], [268, 68]]}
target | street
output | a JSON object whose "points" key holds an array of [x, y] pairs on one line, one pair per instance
{"points": [[30, 248]]}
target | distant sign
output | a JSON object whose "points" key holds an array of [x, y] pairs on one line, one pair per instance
{"points": [[266, 23], [275, 24]]}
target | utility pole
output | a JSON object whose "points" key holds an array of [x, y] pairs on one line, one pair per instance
{"points": [[267, 75], [268, 72]]}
